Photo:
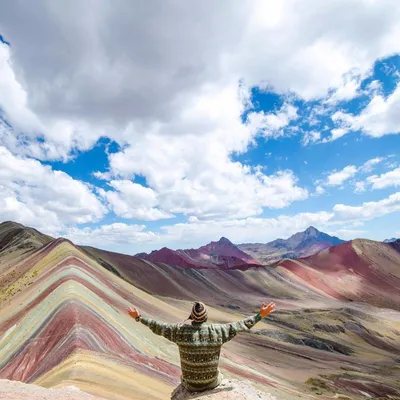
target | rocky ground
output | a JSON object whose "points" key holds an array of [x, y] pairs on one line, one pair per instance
{"points": [[13, 390], [228, 390]]}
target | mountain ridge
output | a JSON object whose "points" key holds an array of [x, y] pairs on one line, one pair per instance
{"points": [[299, 245], [393, 239], [216, 254], [16, 239]]}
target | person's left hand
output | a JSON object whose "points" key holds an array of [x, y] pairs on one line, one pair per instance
{"points": [[133, 312]]}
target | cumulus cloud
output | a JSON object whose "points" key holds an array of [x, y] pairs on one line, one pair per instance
{"points": [[133, 201], [359, 187], [346, 91], [126, 70], [170, 84], [368, 210], [391, 178], [380, 117], [248, 229], [338, 177], [340, 221], [35, 194], [311, 137], [271, 124], [196, 176], [319, 190], [243, 230], [347, 234], [107, 236], [193, 173], [370, 164]]}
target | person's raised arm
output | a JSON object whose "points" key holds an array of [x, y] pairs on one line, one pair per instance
{"points": [[229, 331], [159, 328]]}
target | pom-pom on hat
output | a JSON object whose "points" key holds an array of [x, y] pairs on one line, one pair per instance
{"points": [[199, 312]]}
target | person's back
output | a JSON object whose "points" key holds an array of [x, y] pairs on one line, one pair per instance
{"points": [[200, 343]]}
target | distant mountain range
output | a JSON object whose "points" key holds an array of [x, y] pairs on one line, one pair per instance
{"points": [[390, 240], [17, 239], [301, 244], [222, 254]]}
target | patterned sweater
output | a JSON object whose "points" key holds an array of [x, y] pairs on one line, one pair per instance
{"points": [[199, 347]]}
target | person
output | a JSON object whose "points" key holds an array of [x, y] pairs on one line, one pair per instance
{"points": [[200, 343]]}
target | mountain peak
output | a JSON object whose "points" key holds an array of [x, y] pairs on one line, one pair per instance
{"points": [[10, 224], [300, 244], [15, 236], [390, 240], [311, 230], [224, 240], [222, 254]]}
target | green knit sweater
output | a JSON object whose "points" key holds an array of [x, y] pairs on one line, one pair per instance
{"points": [[199, 347]]}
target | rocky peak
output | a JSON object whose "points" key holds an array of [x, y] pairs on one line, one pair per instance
{"points": [[311, 231], [225, 241]]}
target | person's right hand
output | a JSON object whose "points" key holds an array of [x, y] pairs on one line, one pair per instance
{"points": [[265, 310], [133, 312]]}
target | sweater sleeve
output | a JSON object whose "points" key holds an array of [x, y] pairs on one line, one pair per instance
{"points": [[167, 330], [229, 331]]}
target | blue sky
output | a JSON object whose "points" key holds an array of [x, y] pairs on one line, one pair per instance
{"points": [[171, 141]]}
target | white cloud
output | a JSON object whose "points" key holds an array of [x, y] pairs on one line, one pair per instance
{"points": [[368, 210], [391, 178], [374, 86], [335, 134], [357, 223], [60, 134], [195, 175], [163, 81], [347, 234], [311, 137], [370, 164], [196, 232], [121, 75], [131, 200], [271, 124], [338, 177], [346, 91], [359, 187], [192, 172], [340, 222], [34, 194], [107, 236], [242, 230], [106, 176], [13, 98], [392, 164], [319, 190], [380, 117]]}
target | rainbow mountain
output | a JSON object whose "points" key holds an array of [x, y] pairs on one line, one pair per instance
{"points": [[63, 319]]}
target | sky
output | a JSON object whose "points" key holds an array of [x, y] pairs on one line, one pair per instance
{"points": [[134, 125]]}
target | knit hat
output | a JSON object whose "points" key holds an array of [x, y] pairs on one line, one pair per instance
{"points": [[199, 312]]}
